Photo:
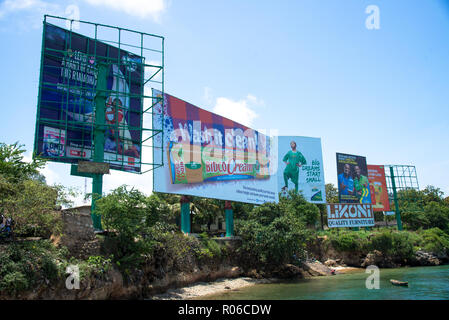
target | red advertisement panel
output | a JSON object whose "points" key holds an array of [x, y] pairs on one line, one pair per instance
{"points": [[378, 185]]}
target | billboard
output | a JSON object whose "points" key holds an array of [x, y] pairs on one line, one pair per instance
{"points": [[66, 106], [353, 183], [340, 215], [210, 156], [378, 188], [300, 167]]}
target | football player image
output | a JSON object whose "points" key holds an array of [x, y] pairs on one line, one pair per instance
{"points": [[345, 181], [361, 185], [293, 160]]}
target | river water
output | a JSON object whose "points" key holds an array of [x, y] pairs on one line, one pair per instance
{"points": [[425, 283]]}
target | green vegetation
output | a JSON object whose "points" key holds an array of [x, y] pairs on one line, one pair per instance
{"points": [[141, 231], [424, 209], [142, 236], [24, 195], [435, 240], [25, 265], [272, 233]]}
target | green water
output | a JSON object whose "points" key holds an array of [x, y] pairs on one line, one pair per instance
{"points": [[425, 283]]}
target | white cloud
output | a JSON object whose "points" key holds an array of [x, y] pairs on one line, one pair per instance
{"points": [[11, 6], [137, 8], [240, 111], [33, 11]]}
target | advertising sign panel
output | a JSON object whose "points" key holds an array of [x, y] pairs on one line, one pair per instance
{"points": [[300, 167], [378, 188], [353, 183], [341, 215], [67, 93], [210, 156]]}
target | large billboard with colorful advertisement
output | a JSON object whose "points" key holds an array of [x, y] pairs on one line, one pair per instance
{"points": [[353, 183], [66, 106], [378, 186], [340, 215], [210, 156], [300, 167]]}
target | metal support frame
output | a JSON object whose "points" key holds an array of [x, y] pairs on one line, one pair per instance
{"points": [[395, 197], [229, 219], [400, 178], [99, 130], [150, 48], [185, 214]]}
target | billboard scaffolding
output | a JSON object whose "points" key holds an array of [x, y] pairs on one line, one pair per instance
{"points": [[95, 101], [400, 179]]}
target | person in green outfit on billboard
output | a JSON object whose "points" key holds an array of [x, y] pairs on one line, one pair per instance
{"points": [[361, 186], [293, 160]]}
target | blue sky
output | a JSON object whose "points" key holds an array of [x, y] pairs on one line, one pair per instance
{"points": [[308, 68]]}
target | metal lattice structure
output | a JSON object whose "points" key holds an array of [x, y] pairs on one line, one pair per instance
{"points": [[112, 50], [400, 178], [405, 177], [95, 102]]}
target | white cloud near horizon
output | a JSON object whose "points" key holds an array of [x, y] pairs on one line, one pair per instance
{"points": [[241, 111], [35, 9], [138, 8]]}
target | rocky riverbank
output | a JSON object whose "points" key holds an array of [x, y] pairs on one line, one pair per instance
{"points": [[288, 271], [324, 250]]}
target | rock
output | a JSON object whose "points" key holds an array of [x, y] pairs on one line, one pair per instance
{"points": [[254, 274], [330, 263], [316, 269], [378, 259], [288, 271], [426, 259], [373, 258]]}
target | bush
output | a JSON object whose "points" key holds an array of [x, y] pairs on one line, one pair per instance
{"points": [[436, 241], [307, 213], [350, 241], [134, 220], [211, 248], [398, 245], [14, 282], [271, 235], [28, 264], [34, 210], [25, 197], [437, 215]]}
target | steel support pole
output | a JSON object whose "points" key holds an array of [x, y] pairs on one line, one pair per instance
{"points": [[396, 203], [99, 131], [229, 219], [185, 214]]}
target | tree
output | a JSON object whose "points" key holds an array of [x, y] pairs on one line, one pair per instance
{"points": [[431, 193], [306, 212], [133, 221], [331, 193], [271, 234], [12, 165], [24, 195], [437, 215]]}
